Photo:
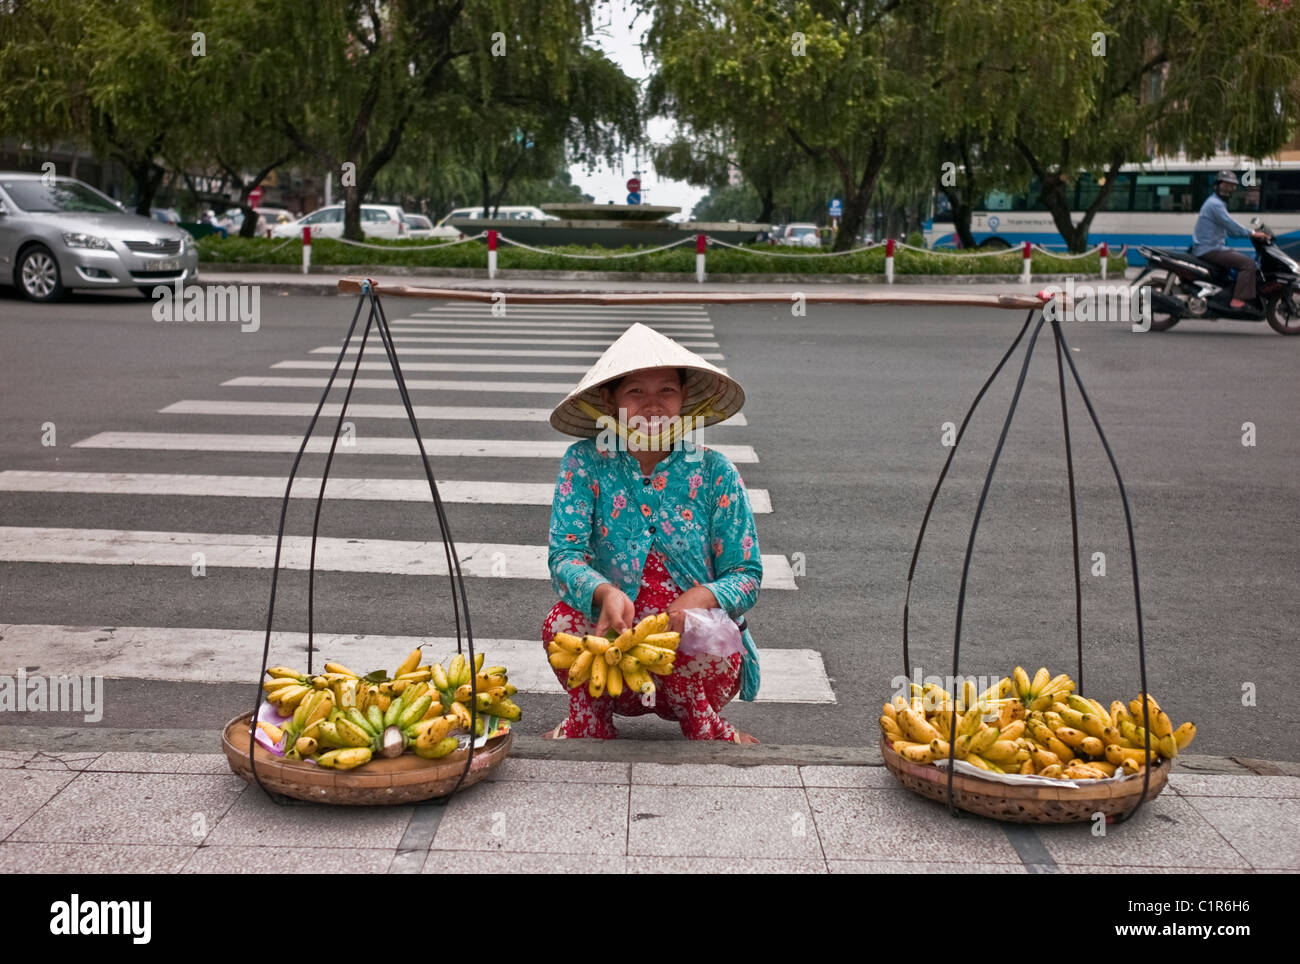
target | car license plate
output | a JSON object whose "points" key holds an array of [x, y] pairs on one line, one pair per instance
{"points": [[171, 264]]}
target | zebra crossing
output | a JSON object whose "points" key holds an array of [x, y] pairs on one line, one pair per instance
{"points": [[512, 350]]}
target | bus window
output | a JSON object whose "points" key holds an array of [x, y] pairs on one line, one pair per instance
{"points": [[1280, 191], [1120, 199], [1164, 192]]}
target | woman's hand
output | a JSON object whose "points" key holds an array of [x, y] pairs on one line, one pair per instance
{"points": [[616, 609], [697, 598]]}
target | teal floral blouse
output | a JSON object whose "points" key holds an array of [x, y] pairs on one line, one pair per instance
{"points": [[693, 509]]}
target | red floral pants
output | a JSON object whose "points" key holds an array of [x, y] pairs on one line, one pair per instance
{"points": [[692, 694]]}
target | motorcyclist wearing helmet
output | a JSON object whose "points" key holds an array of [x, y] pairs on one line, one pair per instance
{"points": [[1213, 226]]}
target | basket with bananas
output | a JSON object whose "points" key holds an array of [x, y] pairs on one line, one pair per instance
{"points": [[341, 720], [1038, 731], [610, 664]]}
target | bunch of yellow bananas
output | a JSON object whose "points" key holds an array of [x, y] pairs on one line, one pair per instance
{"points": [[353, 719], [1033, 727], [607, 665], [491, 689]]}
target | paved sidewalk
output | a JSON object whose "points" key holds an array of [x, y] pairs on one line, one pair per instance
{"points": [[185, 812]]}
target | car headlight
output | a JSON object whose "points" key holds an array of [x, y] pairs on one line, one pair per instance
{"points": [[75, 239]]}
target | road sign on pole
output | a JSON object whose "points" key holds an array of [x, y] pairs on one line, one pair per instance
{"points": [[634, 185], [634, 198], [836, 208]]}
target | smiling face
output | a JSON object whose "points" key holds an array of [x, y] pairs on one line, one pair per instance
{"points": [[656, 393]]}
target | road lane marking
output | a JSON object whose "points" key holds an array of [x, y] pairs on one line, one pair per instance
{"points": [[363, 445], [434, 336], [414, 384], [130, 547], [470, 413], [272, 487], [232, 655], [377, 348]]}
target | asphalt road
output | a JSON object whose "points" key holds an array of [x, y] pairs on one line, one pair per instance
{"points": [[846, 409]]}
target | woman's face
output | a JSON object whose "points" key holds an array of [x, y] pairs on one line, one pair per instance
{"points": [[654, 394]]}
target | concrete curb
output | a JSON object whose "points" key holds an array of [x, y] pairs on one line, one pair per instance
{"points": [[88, 739]]}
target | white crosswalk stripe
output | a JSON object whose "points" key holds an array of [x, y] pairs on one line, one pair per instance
{"points": [[272, 487], [550, 322], [362, 445], [477, 367], [377, 349], [233, 655], [466, 413], [503, 368], [535, 342], [412, 384], [129, 547]]}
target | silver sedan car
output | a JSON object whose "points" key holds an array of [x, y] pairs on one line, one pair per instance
{"points": [[59, 233]]}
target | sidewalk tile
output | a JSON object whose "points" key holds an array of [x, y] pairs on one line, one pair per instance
{"points": [[545, 818], [1166, 832], [205, 763], [722, 865], [872, 778], [486, 862], [920, 867], [1103, 869], [895, 824], [1221, 785], [115, 762], [155, 808], [1265, 832], [91, 858], [560, 771], [45, 760], [721, 822], [304, 860], [23, 792], [714, 775], [13, 759], [256, 821]]}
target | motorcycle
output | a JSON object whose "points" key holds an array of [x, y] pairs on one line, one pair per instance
{"points": [[1184, 286]]}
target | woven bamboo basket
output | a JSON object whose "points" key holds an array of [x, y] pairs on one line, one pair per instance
{"points": [[405, 779], [1023, 804]]}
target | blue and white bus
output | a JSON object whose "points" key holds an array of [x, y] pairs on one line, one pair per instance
{"points": [[1154, 203]]}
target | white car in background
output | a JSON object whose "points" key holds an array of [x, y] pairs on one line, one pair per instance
{"points": [[800, 236], [418, 226], [511, 212], [377, 221]]}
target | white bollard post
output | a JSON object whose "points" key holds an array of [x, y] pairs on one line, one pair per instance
{"points": [[492, 254], [1026, 275], [889, 261], [1105, 256], [700, 245], [306, 249]]}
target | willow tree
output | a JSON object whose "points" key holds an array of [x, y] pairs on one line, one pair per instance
{"points": [[841, 80], [348, 80], [1166, 74], [111, 76]]}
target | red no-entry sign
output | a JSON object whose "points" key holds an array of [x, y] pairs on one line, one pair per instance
{"points": [[634, 185]]}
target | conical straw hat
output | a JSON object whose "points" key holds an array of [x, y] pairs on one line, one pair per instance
{"points": [[640, 348]]}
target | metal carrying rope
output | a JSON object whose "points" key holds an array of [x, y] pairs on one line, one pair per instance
{"points": [[1062, 357], [379, 321]]}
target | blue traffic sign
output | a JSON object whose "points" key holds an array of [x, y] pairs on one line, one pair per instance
{"points": [[634, 198], [837, 208]]}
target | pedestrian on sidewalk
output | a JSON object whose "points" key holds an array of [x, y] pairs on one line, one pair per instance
{"points": [[645, 522]]}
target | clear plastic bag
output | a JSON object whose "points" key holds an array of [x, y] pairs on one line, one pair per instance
{"points": [[710, 632]]}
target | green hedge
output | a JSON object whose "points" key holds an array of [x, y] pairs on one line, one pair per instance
{"points": [[680, 259]]}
